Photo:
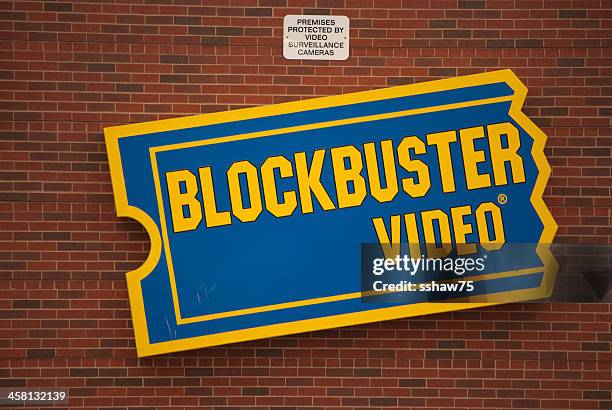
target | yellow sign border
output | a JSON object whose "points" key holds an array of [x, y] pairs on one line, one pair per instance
{"points": [[143, 345]]}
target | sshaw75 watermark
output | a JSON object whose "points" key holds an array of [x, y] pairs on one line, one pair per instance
{"points": [[272, 220]]}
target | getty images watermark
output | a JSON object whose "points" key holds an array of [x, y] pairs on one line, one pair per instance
{"points": [[405, 277], [407, 266], [584, 274]]}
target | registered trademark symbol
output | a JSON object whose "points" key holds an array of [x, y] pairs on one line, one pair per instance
{"points": [[502, 198]]}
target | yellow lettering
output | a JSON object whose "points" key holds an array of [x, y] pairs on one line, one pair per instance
{"points": [[461, 229], [211, 215], [390, 246], [269, 186], [483, 230], [500, 155], [252, 212], [344, 175], [388, 159], [428, 217], [309, 181], [179, 200], [442, 142], [403, 153], [472, 157], [412, 232]]}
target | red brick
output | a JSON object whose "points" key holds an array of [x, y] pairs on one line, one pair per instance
{"points": [[68, 69]]}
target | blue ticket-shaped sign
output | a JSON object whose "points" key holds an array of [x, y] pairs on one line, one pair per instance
{"points": [[258, 217]]}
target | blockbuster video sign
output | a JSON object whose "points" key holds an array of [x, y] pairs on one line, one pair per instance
{"points": [[258, 217]]}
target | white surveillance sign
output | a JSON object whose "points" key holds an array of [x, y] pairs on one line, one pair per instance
{"points": [[316, 37]]}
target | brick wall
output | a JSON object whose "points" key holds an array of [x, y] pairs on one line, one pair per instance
{"points": [[69, 69]]}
